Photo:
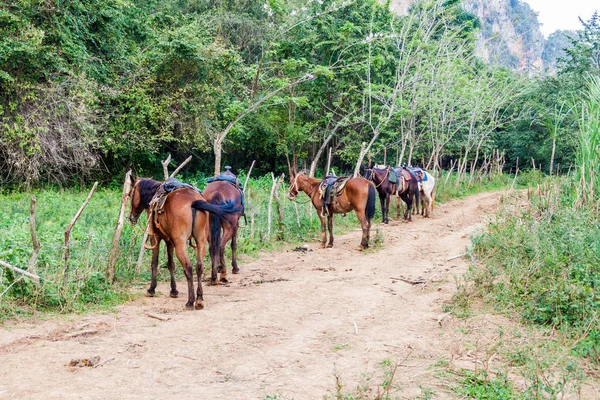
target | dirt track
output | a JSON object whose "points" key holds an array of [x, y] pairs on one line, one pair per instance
{"points": [[283, 326]]}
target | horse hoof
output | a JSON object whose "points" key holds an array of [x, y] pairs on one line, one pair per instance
{"points": [[149, 294], [235, 270], [213, 283], [199, 305], [189, 306], [330, 245], [224, 280], [361, 248], [174, 294]]}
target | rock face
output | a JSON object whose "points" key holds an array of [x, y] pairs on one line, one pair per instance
{"points": [[554, 48], [510, 33]]}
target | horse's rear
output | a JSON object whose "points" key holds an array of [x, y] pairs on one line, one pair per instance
{"points": [[222, 192], [360, 196], [179, 222], [427, 187]]}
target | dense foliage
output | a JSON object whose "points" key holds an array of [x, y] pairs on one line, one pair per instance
{"points": [[89, 88]]}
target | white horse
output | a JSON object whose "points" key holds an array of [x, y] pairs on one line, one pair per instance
{"points": [[427, 191]]}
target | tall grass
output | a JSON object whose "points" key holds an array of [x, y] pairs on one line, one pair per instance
{"points": [[588, 156]]}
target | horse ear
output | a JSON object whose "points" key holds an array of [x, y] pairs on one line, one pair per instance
{"points": [[132, 179]]}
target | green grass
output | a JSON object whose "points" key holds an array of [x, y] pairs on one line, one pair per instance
{"points": [[543, 263], [86, 287]]}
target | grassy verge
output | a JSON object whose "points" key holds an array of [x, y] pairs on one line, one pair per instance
{"points": [[538, 262]]}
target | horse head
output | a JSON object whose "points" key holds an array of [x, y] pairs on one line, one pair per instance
{"points": [[294, 186], [141, 193], [368, 172]]}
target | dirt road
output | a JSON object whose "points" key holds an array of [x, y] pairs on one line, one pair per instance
{"points": [[285, 326]]}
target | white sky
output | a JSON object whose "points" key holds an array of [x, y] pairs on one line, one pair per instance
{"points": [[562, 14]]}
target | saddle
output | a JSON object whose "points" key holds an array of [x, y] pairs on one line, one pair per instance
{"points": [[232, 179], [392, 177], [329, 185], [170, 185], [404, 177], [420, 174], [157, 204]]}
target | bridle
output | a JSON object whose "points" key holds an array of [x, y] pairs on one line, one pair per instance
{"points": [[131, 194], [295, 185], [372, 175]]}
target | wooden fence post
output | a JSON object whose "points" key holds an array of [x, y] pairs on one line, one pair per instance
{"points": [[114, 248], [34, 239], [70, 227]]}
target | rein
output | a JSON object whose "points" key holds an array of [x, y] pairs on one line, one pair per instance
{"points": [[387, 173]]}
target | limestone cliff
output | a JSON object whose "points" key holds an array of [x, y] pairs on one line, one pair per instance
{"points": [[510, 33]]}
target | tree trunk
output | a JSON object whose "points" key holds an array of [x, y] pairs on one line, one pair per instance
{"points": [[218, 149]]}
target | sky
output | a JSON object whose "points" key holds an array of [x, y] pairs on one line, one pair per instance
{"points": [[561, 14]]}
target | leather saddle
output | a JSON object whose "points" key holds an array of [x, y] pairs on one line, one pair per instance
{"points": [[329, 189], [170, 185]]}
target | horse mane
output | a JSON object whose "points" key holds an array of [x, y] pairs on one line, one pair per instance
{"points": [[147, 188]]}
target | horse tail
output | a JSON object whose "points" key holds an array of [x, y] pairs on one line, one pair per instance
{"points": [[370, 209], [220, 210], [215, 229]]}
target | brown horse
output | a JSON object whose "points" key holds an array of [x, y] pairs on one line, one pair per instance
{"points": [[357, 196], [385, 188], [220, 192], [184, 216]]}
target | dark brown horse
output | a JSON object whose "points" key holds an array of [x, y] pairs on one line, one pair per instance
{"points": [[184, 216], [357, 196], [408, 190], [221, 192], [381, 178]]}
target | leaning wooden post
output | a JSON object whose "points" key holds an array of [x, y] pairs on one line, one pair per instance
{"points": [[165, 165], [20, 271], [70, 227], [114, 247], [187, 160], [248, 176], [269, 213], [280, 225], [326, 172], [34, 239]]}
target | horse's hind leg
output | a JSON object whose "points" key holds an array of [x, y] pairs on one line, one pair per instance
{"points": [[171, 264], [407, 198], [200, 254], [323, 230], [227, 236], [155, 242], [366, 227], [382, 198], [387, 209], [234, 264], [426, 199], [181, 252], [330, 229]]}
